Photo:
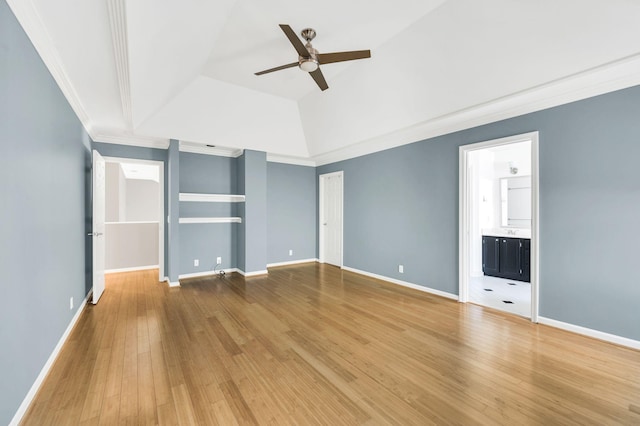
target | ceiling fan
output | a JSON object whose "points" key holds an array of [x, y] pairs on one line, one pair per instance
{"points": [[309, 59]]}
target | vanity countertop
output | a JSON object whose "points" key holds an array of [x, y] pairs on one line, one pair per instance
{"points": [[508, 232]]}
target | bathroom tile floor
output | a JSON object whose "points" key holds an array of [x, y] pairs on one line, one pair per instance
{"points": [[516, 292]]}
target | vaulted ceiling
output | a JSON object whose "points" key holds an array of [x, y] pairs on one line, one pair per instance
{"points": [[144, 71]]}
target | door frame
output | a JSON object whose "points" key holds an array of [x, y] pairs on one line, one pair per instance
{"points": [[98, 229], [161, 213], [465, 217], [321, 236]]}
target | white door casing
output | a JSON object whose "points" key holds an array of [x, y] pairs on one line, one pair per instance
{"points": [[161, 213], [331, 218], [465, 219], [98, 226]]}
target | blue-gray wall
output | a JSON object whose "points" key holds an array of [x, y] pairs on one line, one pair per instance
{"points": [[254, 219], [241, 231], [140, 153], [401, 207], [44, 164], [208, 174], [173, 212], [291, 212]]}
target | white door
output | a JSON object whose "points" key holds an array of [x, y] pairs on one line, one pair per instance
{"points": [[331, 218], [98, 191]]}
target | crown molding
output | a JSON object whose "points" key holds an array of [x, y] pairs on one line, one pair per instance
{"points": [[284, 159], [607, 78], [197, 148], [120, 41], [30, 20], [127, 138]]}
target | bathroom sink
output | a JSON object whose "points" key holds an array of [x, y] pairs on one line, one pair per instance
{"points": [[508, 232]]}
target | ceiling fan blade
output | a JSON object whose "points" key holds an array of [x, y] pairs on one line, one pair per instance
{"points": [[319, 79], [293, 38], [281, 67], [327, 58]]}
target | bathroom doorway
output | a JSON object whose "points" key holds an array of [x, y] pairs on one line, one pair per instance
{"points": [[498, 224]]}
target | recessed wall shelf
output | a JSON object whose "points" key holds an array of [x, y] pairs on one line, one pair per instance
{"points": [[212, 198], [210, 220]]}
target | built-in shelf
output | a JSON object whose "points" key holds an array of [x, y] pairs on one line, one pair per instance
{"points": [[132, 223], [212, 198], [210, 220]]}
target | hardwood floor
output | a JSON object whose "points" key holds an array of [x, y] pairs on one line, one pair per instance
{"points": [[312, 344]]}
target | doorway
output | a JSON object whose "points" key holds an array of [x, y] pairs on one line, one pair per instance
{"points": [[498, 219], [331, 218], [134, 213]]}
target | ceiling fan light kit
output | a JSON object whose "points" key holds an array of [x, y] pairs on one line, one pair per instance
{"points": [[309, 59]]}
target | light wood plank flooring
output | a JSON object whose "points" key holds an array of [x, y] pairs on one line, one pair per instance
{"points": [[312, 344]]}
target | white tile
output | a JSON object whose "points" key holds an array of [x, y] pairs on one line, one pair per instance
{"points": [[519, 294]]}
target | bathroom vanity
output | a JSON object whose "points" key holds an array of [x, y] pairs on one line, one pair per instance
{"points": [[506, 256]]}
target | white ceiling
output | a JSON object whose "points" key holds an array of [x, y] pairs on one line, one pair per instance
{"points": [[144, 71]]}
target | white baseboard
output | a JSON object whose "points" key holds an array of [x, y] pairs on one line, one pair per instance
{"points": [[612, 338], [252, 273], [173, 283], [133, 268], [291, 262], [403, 283], [47, 366], [207, 273]]}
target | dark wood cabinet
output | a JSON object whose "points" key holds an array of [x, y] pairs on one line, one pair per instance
{"points": [[506, 257], [491, 255]]}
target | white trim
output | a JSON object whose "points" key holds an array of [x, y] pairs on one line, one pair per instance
{"points": [[198, 148], [210, 220], [296, 161], [131, 269], [118, 21], [212, 198], [26, 402], [291, 262], [120, 137], [606, 78], [534, 273], [600, 335], [464, 219], [173, 283], [207, 273], [253, 273], [403, 283]]}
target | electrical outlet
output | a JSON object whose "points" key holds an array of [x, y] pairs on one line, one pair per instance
{"points": [[196, 262], [401, 269], [70, 303], [218, 260], [290, 252]]}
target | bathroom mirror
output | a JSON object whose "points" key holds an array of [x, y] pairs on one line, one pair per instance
{"points": [[515, 197]]}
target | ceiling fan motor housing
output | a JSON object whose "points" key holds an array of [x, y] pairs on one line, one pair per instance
{"points": [[309, 63]]}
